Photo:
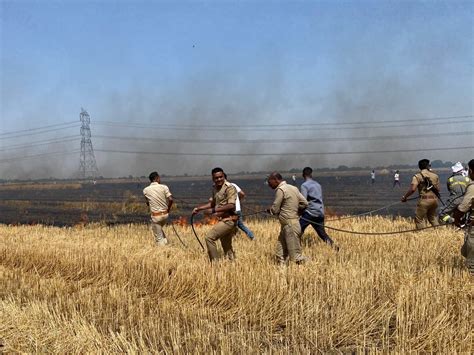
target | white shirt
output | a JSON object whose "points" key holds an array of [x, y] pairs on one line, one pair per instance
{"points": [[396, 177], [237, 201], [372, 175], [157, 196]]}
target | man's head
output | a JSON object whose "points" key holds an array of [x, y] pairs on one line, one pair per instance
{"points": [[274, 180], [154, 177], [457, 168], [218, 176], [424, 164], [307, 172], [471, 169]]}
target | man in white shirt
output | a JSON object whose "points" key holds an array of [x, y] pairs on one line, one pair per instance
{"points": [[238, 211], [159, 199], [396, 179]]}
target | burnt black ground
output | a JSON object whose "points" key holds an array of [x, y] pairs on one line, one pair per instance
{"points": [[342, 194]]}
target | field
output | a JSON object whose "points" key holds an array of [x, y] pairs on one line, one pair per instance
{"points": [[67, 203], [108, 288]]}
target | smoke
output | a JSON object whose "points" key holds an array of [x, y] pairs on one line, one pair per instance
{"points": [[420, 69]]}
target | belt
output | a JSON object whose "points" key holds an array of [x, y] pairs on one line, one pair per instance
{"points": [[159, 213], [428, 197], [230, 218]]}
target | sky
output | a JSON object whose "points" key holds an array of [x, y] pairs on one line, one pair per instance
{"points": [[227, 67]]}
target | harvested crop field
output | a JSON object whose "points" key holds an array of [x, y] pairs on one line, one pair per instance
{"points": [[110, 289]]}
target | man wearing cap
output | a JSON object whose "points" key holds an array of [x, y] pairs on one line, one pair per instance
{"points": [[427, 184], [467, 207], [288, 204], [159, 200], [456, 184], [222, 205]]}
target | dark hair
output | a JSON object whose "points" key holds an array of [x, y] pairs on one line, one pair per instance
{"points": [[307, 171], [275, 175], [217, 170], [471, 164], [153, 176], [424, 164]]}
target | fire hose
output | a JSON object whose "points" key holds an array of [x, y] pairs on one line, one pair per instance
{"points": [[177, 234], [194, 231]]}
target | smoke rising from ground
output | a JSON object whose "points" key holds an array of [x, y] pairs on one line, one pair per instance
{"points": [[422, 69]]}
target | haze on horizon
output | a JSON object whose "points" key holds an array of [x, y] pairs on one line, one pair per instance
{"points": [[241, 73]]}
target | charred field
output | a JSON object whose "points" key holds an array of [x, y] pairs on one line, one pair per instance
{"points": [[120, 201]]}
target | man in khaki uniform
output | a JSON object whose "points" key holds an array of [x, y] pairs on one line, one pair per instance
{"points": [[287, 205], [467, 206], [426, 182], [222, 205], [159, 199]]}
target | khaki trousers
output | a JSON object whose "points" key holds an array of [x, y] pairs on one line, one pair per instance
{"points": [[223, 231], [467, 249], [426, 210], [288, 244], [157, 224]]}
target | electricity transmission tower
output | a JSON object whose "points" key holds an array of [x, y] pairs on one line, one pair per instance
{"points": [[88, 166]]}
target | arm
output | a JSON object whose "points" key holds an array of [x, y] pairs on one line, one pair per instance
{"points": [[203, 207], [411, 189], [302, 203], [304, 191], [275, 209], [464, 206], [170, 203], [241, 195]]}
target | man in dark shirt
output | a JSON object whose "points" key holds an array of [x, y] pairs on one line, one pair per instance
{"points": [[314, 213]]}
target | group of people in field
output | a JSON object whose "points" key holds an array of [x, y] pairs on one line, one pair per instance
{"points": [[297, 209]]}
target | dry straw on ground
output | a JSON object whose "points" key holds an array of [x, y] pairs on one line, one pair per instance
{"points": [[90, 289]]}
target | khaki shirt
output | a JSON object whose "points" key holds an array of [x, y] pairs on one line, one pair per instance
{"points": [[227, 194], [419, 182], [467, 203], [288, 201], [157, 196]]}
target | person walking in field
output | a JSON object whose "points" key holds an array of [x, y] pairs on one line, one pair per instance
{"points": [[222, 205], [372, 176], [314, 214], [288, 203], [427, 184], [456, 184], [396, 179], [159, 199], [467, 207]]}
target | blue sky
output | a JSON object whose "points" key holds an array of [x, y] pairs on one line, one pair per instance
{"points": [[241, 62]]}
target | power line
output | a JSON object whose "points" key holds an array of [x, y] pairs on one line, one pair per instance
{"points": [[284, 140], [40, 143], [14, 159], [275, 128], [280, 154], [40, 132], [307, 124], [38, 128]]}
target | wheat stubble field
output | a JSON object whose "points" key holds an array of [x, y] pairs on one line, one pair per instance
{"points": [[109, 289]]}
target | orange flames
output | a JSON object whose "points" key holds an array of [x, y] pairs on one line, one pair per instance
{"points": [[210, 220], [181, 221], [207, 220]]}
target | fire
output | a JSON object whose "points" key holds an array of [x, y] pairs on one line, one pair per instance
{"points": [[210, 220], [207, 220], [181, 221]]}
